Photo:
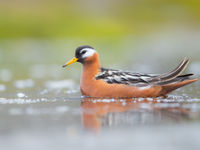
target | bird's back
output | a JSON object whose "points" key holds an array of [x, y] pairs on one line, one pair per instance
{"points": [[168, 81]]}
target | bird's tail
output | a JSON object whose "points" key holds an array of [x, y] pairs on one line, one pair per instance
{"points": [[180, 81], [176, 72], [173, 80]]}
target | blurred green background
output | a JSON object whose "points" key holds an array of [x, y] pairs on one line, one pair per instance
{"points": [[123, 32], [93, 18]]}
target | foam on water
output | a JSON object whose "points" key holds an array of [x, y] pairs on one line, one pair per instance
{"points": [[21, 95], [72, 91], [21, 101], [104, 100]]}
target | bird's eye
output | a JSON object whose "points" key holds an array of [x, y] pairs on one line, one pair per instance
{"points": [[83, 52]]}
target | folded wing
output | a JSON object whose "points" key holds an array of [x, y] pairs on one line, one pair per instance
{"points": [[137, 79]]}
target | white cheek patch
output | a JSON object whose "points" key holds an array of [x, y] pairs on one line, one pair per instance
{"points": [[89, 52]]}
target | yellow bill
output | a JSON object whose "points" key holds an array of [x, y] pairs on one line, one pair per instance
{"points": [[70, 62]]}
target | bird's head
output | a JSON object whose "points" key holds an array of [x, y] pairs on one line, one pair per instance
{"points": [[83, 54]]}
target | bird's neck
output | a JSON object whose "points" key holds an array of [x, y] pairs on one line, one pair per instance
{"points": [[90, 69]]}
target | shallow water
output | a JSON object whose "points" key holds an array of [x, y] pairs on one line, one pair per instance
{"points": [[62, 122], [41, 108]]}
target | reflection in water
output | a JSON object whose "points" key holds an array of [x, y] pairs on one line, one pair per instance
{"points": [[97, 113]]}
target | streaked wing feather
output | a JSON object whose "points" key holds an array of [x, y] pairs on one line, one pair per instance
{"points": [[124, 77]]}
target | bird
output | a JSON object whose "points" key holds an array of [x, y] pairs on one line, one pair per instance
{"points": [[100, 82]]}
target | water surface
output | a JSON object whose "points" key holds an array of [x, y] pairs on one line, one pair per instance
{"points": [[41, 107]]}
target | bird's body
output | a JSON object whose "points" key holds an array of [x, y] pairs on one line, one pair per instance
{"points": [[110, 83]]}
